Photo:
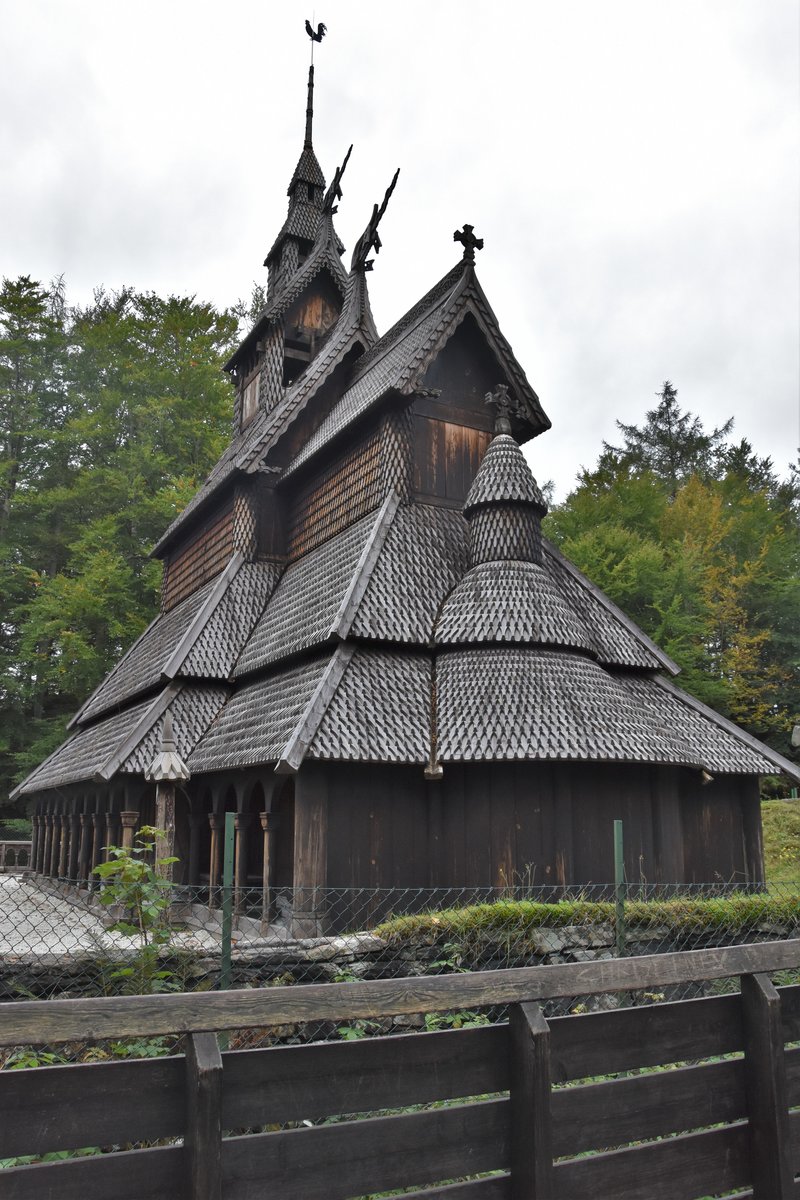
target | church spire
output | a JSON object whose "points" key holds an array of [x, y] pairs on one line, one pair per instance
{"points": [[309, 108], [306, 192]]}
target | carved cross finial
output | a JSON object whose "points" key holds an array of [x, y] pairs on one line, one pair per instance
{"points": [[504, 407], [468, 240]]}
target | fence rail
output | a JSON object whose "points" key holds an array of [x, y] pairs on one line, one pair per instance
{"points": [[534, 1108]]}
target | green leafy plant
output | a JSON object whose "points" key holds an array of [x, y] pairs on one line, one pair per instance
{"points": [[131, 882]]}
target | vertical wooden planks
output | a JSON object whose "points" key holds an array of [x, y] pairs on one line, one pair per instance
{"points": [[203, 1137], [767, 1096], [531, 1131]]}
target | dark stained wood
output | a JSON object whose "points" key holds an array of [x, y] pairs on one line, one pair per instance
{"points": [[156, 1173], [792, 1060], [628, 1038], [65, 1020], [531, 1128], [353, 1158], [310, 847], [200, 557], [498, 1187], [603, 1115], [203, 1137], [64, 1108], [790, 1012], [293, 1083], [680, 1168], [765, 1081]]}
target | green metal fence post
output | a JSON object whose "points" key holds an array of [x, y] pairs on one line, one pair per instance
{"points": [[619, 890], [227, 903]]}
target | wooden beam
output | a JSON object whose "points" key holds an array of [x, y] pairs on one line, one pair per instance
{"points": [[40, 1021], [203, 1138], [531, 1128], [765, 1084]]}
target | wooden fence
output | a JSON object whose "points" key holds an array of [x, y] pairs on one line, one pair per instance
{"points": [[719, 1120]]}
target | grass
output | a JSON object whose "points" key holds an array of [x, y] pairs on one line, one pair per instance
{"points": [[781, 822]]}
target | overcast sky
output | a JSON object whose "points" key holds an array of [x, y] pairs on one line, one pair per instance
{"points": [[632, 166]]}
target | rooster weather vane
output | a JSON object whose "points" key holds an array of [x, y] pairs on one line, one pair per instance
{"points": [[319, 35]]}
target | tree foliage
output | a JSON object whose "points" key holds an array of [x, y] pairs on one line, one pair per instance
{"points": [[698, 540], [110, 416]]}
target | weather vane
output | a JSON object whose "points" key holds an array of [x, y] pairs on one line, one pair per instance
{"points": [[315, 37]]}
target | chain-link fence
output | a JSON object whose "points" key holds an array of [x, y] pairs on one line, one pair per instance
{"points": [[58, 940]]}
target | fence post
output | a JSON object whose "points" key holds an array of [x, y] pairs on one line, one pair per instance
{"points": [[531, 1131], [227, 902], [619, 890], [203, 1137], [767, 1095]]}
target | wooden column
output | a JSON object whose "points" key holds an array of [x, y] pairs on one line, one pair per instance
{"points": [[111, 832], [72, 860], [242, 827], [47, 860], [269, 824], [531, 1129], [772, 1175], [310, 849], [216, 821], [98, 825], [85, 848], [196, 821], [40, 845], [35, 827], [63, 845], [130, 819], [165, 822]]}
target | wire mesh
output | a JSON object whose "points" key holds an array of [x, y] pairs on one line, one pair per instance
{"points": [[57, 940]]}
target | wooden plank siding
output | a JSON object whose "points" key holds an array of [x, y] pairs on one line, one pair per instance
{"points": [[672, 1134], [199, 559], [497, 824]]}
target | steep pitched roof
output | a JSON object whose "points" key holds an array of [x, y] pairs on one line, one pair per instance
{"points": [[202, 636], [127, 742], [303, 612], [399, 360], [354, 330]]}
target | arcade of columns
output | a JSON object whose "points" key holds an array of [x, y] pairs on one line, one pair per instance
{"points": [[72, 833]]}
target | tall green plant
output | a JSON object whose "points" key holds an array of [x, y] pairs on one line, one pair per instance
{"points": [[131, 881]]}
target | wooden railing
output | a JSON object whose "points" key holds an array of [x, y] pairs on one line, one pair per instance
{"points": [[717, 1122], [14, 856]]}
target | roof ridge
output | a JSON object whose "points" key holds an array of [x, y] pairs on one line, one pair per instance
{"points": [[156, 709], [351, 601], [203, 616], [302, 735], [399, 331]]}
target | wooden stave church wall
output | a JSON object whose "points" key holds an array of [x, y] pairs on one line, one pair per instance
{"points": [[494, 824]]}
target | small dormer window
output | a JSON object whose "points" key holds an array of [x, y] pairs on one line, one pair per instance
{"points": [[311, 191], [250, 398]]}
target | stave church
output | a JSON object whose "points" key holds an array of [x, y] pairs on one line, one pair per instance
{"points": [[367, 650]]}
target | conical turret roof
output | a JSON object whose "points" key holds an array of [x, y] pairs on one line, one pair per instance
{"points": [[504, 477]]}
